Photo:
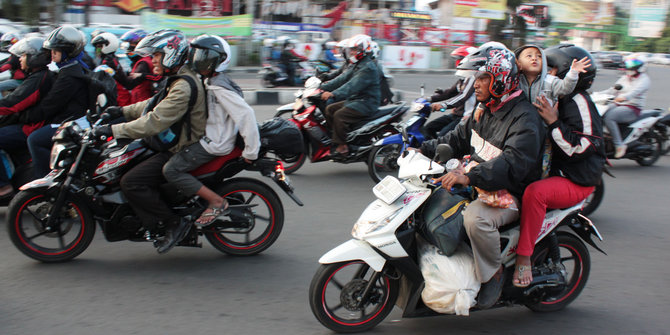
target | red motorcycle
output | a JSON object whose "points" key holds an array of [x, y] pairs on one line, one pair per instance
{"points": [[307, 114]]}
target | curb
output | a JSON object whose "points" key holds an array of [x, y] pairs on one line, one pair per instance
{"points": [[255, 69], [270, 97]]}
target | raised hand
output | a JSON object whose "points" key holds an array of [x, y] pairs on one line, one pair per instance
{"points": [[580, 65]]}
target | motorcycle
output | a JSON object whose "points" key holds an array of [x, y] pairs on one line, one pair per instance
{"points": [[359, 281], [307, 113], [53, 219], [643, 137], [274, 75]]}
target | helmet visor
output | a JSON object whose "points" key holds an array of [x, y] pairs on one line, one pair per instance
{"points": [[204, 59]]}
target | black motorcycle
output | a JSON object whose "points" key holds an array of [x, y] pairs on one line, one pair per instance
{"points": [[53, 219]]}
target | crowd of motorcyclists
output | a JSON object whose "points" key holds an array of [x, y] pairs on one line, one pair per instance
{"points": [[523, 118]]}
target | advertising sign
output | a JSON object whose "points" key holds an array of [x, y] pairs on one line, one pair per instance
{"points": [[647, 18], [237, 25], [581, 12], [483, 9], [396, 56]]}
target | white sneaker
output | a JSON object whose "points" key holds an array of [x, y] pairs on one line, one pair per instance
{"points": [[620, 151]]}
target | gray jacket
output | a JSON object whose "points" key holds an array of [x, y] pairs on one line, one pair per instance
{"points": [[552, 86]]}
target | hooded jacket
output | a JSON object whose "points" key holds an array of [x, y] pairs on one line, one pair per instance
{"points": [[359, 85], [552, 86], [35, 87], [167, 112], [507, 144]]}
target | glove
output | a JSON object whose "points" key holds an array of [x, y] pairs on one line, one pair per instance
{"points": [[103, 132], [112, 112]]}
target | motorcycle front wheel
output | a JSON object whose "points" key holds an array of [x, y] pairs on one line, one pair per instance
{"points": [[575, 257], [71, 234], [335, 296], [383, 161], [254, 225]]}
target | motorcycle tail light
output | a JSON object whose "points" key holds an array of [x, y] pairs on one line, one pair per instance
{"points": [[279, 171]]}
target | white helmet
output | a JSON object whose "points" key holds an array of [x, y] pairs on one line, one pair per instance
{"points": [[359, 46], [343, 43], [108, 43], [374, 49]]}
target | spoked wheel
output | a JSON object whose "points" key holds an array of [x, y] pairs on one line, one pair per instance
{"points": [[594, 199], [69, 235], [337, 301], [654, 140], [255, 220], [576, 260], [383, 161]]}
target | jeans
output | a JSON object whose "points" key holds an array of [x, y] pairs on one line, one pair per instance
{"points": [[39, 145], [7, 85], [616, 115], [12, 139]]}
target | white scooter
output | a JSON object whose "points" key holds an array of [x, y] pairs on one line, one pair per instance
{"points": [[360, 281], [643, 137]]}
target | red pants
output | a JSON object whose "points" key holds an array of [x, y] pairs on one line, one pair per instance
{"points": [[553, 192]]}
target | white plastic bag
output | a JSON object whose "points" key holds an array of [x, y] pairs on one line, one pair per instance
{"points": [[451, 286]]}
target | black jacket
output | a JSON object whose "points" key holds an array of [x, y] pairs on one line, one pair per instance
{"points": [[35, 87], [507, 145], [68, 98], [456, 95], [578, 150]]}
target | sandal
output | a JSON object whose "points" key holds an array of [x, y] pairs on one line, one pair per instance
{"points": [[520, 271], [211, 214]]}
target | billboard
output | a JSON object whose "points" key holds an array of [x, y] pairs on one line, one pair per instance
{"points": [[237, 25], [581, 12], [647, 18], [483, 9]]}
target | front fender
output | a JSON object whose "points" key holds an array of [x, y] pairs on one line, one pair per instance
{"points": [[354, 250], [50, 180]]}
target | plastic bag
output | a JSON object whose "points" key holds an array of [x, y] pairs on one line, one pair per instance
{"points": [[450, 283], [498, 199]]}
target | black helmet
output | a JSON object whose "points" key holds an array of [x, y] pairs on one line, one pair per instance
{"points": [[499, 62], [172, 43], [561, 56], [66, 39], [208, 54], [36, 55]]}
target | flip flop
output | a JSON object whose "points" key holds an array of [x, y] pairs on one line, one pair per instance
{"points": [[521, 269], [212, 215]]}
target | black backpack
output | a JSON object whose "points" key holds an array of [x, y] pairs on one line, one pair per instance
{"points": [[384, 87], [281, 136], [169, 137], [100, 82]]}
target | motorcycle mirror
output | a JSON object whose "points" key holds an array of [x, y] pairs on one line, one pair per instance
{"points": [[423, 87], [443, 153], [405, 136]]}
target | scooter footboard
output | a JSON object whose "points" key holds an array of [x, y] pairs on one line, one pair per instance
{"points": [[354, 250]]}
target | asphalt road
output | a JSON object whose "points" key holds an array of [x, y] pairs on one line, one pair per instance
{"points": [[127, 288]]}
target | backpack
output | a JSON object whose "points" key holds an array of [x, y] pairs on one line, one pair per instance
{"points": [[169, 137], [100, 82], [384, 87], [281, 136]]}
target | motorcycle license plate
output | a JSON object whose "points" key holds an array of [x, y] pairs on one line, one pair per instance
{"points": [[48, 180]]}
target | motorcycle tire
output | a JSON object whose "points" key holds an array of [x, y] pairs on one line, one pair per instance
{"points": [[268, 81], [335, 289], [654, 139], [383, 161], [260, 225], [594, 199], [573, 251], [26, 217]]}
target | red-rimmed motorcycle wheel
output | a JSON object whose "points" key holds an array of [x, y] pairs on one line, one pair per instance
{"points": [[335, 290], [26, 218], [577, 262], [265, 220]]}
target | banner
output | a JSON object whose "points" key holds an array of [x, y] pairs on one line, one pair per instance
{"points": [[581, 12], [435, 36], [483, 9], [238, 25], [647, 18], [396, 56]]}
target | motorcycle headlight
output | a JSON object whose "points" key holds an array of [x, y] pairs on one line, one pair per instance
{"points": [[56, 151], [364, 227]]}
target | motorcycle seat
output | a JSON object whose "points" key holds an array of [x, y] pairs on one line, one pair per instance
{"points": [[216, 163], [384, 110]]}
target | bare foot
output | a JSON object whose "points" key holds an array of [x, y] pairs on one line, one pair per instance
{"points": [[523, 274]]}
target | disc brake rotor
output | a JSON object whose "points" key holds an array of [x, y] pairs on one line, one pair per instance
{"points": [[65, 225], [351, 294]]}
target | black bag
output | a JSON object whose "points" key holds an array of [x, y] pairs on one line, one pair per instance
{"points": [[169, 137], [100, 82], [443, 219], [281, 136]]}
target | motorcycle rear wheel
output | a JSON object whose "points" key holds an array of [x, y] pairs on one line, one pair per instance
{"points": [[26, 220], [594, 199], [383, 161], [654, 139], [260, 225], [335, 289], [577, 261]]}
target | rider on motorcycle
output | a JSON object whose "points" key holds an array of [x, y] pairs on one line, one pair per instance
{"points": [[505, 138], [459, 97], [358, 91], [67, 99], [342, 46], [228, 115], [106, 45], [10, 64], [629, 101], [13, 134], [578, 155], [288, 59], [327, 55], [141, 79], [152, 117]]}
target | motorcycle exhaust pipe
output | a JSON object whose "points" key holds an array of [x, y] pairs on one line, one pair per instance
{"points": [[544, 281]]}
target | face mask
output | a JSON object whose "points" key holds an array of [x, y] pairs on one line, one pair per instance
{"points": [[631, 73]]}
